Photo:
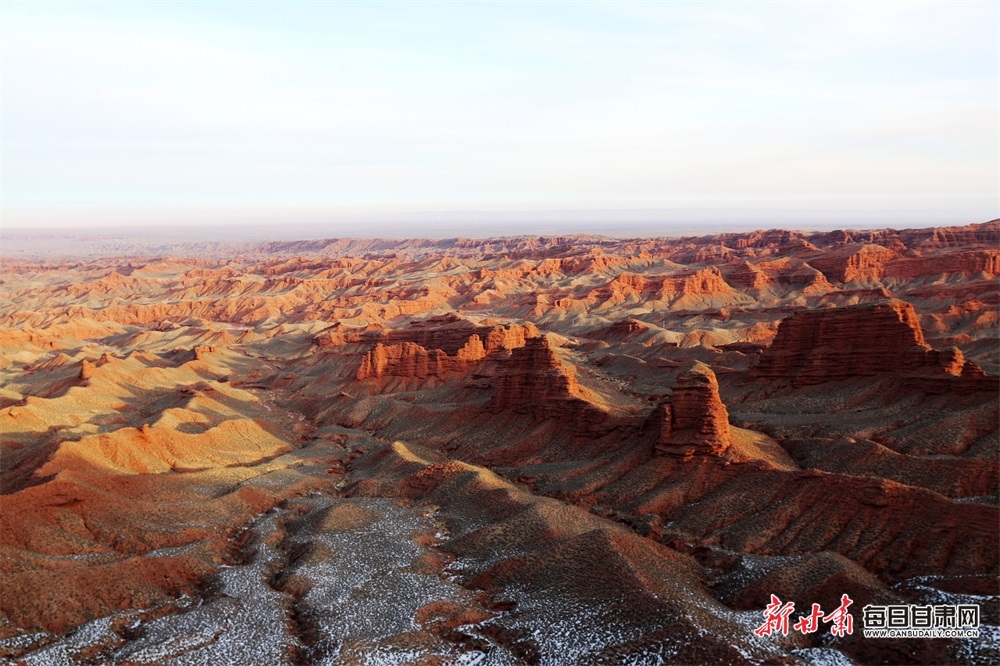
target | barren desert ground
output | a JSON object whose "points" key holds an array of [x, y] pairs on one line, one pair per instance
{"points": [[528, 450]]}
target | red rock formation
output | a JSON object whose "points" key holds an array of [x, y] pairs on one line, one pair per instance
{"points": [[865, 263], [534, 381], [86, 369], [784, 273], [818, 346], [748, 276], [621, 288], [407, 359], [449, 333], [202, 351], [507, 337], [450, 349], [761, 238], [695, 421], [595, 261], [620, 329], [986, 234], [706, 282], [968, 263], [338, 334], [330, 337], [472, 351]]}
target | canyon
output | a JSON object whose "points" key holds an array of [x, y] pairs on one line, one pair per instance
{"points": [[525, 450]]}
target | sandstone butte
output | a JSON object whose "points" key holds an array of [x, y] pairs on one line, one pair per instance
{"points": [[694, 421], [531, 450], [870, 339]]}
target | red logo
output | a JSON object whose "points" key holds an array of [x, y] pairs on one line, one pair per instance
{"points": [[776, 618]]}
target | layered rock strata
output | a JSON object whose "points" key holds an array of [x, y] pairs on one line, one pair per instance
{"points": [[535, 381], [408, 359], [819, 346], [695, 421], [422, 352]]}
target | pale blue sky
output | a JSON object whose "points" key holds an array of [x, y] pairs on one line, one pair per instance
{"points": [[121, 111]]}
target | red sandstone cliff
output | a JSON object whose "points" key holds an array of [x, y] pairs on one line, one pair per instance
{"points": [[707, 283], [875, 262], [408, 359], [818, 346], [864, 263], [695, 421], [534, 381], [426, 350]]}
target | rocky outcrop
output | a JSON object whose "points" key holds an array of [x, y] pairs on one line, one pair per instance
{"points": [[449, 333], [987, 234], [875, 262], [507, 337], [784, 274], [87, 369], [330, 337], [695, 420], [447, 351], [706, 282], [818, 346], [410, 360], [966, 263], [855, 264], [338, 334], [534, 381], [201, 352], [623, 287], [748, 276], [622, 328]]}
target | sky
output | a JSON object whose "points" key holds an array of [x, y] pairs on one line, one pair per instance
{"points": [[167, 113]]}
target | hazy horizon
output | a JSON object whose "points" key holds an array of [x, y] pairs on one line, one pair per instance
{"points": [[132, 241], [274, 225], [396, 114]]}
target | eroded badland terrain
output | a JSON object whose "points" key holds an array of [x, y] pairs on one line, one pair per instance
{"points": [[521, 451]]}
